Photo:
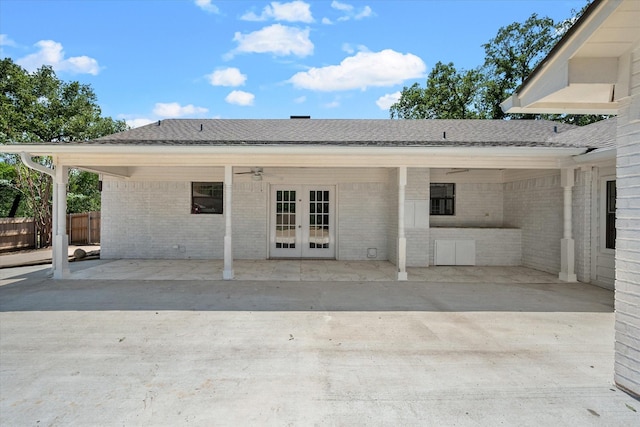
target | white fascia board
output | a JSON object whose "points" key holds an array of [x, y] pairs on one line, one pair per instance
{"points": [[609, 108], [116, 156]]}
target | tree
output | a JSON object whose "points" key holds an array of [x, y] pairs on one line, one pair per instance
{"points": [[84, 194], [512, 55], [449, 94], [38, 107]]}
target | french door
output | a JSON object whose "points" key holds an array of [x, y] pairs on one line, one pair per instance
{"points": [[302, 222]]}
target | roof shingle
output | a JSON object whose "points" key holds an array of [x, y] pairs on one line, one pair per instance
{"points": [[347, 132]]}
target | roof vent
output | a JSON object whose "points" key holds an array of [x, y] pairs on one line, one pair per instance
{"points": [[201, 127], [159, 122], [299, 117], [555, 129]]}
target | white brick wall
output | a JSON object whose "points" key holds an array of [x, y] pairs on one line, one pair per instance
{"points": [[627, 346], [362, 220], [536, 207], [479, 199], [250, 236], [153, 220], [146, 217]]}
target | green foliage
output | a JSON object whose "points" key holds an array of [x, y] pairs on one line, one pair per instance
{"points": [[38, 107], [83, 194], [512, 55], [449, 94], [9, 191]]}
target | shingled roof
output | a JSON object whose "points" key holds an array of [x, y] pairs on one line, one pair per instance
{"points": [[598, 135], [346, 132]]}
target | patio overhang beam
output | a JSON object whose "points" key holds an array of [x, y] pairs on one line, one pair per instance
{"points": [[100, 157]]}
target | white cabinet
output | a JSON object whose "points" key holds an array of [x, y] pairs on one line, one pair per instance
{"points": [[455, 252]]}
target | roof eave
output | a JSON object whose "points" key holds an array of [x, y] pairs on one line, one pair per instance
{"points": [[565, 83]]}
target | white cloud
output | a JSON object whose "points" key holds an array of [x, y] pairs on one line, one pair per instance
{"points": [[51, 53], [386, 101], [300, 99], [277, 39], [343, 7], [327, 21], [207, 6], [350, 12], [227, 77], [173, 109], [239, 97], [365, 69], [6, 41], [364, 13], [346, 47], [136, 123], [295, 11], [332, 104]]}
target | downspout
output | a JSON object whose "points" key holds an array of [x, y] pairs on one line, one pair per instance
{"points": [[26, 159]]}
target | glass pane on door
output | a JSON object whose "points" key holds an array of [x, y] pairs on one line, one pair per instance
{"points": [[319, 236], [285, 219]]}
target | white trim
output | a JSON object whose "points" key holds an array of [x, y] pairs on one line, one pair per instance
{"points": [[402, 239], [227, 273]]}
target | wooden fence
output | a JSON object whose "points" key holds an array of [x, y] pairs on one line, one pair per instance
{"points": [[83, 228], [17, 233], [20, 233]]}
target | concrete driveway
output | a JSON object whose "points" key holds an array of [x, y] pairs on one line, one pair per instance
{"points": [[208, 353]]}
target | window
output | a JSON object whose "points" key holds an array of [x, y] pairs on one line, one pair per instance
{"points": [[206, 197], [443, 199], [610, 213]]}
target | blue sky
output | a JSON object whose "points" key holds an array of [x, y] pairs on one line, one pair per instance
{"points": [[157, 59]]}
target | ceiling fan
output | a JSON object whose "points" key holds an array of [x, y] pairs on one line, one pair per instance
{"points": [[256, 173]]}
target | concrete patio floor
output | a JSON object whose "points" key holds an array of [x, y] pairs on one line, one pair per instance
{"points": [[244, 352], [296, 270]]}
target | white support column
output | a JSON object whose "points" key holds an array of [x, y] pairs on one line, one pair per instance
{"points": [[402, 239], [567, 244], [227, 273], [60, 239]]}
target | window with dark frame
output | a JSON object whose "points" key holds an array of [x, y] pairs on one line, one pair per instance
{"points": [[206, 198], [443, 198], [610, 236]]}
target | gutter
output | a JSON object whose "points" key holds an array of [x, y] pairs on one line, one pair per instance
{"points": [[121, 151]]}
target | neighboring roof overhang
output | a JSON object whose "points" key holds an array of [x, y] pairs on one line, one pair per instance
{"points": [[587, 72], [119, 160]]}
